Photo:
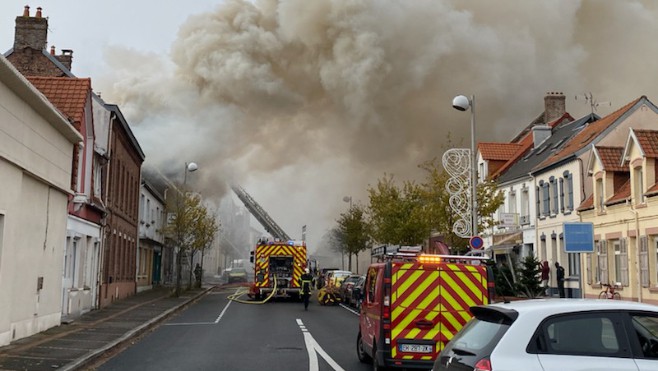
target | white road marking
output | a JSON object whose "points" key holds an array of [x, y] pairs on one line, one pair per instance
{"points": [[313, 349], [203, 323], [224, 311], [353, 311]]}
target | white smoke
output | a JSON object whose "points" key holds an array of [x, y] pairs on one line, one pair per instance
{"points": [[304, 102]]}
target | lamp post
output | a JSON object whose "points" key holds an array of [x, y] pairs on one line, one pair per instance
{"points": [[462, 103], [189, 167], [346, 199]]}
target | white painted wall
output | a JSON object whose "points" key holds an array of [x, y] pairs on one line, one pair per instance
{"points": [[36, 145]]}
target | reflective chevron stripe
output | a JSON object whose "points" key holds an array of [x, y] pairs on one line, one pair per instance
{"points": [[262, 261], [431, 302]]}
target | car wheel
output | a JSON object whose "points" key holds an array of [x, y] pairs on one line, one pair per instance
{"points": [[360, 351]]}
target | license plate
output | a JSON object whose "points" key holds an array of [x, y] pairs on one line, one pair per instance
{"points": [[416, 348]]}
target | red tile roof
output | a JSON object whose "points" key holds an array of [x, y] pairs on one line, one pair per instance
{"points": [[498, 151], [652, 190], [648, 141], [611, 158], [622, 193], [587, 135], [68, 94], [587, 204]]}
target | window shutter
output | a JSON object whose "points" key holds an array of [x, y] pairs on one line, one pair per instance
{"points": [[561, 195], [644, 261], [603, 261], [624, 261], [570, 189], [538, 202]]}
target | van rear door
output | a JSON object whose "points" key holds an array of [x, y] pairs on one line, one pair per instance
{"points": [[429, 304]]}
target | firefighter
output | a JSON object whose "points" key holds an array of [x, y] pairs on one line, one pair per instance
{"points": [[305, 282]]}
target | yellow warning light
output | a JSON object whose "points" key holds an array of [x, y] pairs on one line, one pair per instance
{"points": [[427, 258]]}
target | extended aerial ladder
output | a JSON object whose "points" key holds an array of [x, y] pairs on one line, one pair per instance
{"points": [[260, 214]]}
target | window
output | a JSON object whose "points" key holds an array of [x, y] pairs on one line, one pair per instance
{"points": [[142, 206], [591, 334], [646, 330], [553, 196], [621, 261], [602, 267], [600, 197], [574, 263], [568, 191], [546, 200], [371, 285], [655, 244], [644, 261], [98, 179], [562, 194], [512, 202], [638, 185], [525, 206], [481, 177]]}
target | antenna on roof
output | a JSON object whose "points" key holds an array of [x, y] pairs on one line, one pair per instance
{"points": [[593, 103]]}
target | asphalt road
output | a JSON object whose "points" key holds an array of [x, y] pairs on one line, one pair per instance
{"points": [[218, 334]]}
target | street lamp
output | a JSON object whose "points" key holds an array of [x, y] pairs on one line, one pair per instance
{"points": [[462, 103], [348, 199], [189, 167]]}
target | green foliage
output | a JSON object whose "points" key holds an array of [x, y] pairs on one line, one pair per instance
{"points": [[397, 213], [353, 232], [529, 282]]}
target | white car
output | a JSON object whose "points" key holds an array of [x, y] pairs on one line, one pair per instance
{"points": [[556, 334]]}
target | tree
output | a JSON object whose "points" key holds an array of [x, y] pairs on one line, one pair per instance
{"points": [[397, 213], [354, 231], [203, 234], [529, 277], [186, 211]]}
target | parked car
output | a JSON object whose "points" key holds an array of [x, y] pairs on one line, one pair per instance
{"points": [[335, 278], [353, 292], [322, 277], [556, 334], [347, 285], [235, 275]]}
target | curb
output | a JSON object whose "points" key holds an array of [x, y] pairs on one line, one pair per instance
{"points": [[90, 357]]}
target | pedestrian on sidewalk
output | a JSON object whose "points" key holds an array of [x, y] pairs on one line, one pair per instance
{"points": [[559, 274], [545, 276], [305, 282]]}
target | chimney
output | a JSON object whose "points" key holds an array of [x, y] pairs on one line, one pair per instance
{"points": [[66, 58], [554, 106], [52, 50], [540, 133], [30, 32]]}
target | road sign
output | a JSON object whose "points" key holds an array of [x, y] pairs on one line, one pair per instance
{"points": [[578, 237], [476, 242]]}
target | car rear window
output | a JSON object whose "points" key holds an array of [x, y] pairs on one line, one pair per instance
{"points": [[479, 335]]}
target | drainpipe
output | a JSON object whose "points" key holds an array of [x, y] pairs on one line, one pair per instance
{"points": [[637, 253]]}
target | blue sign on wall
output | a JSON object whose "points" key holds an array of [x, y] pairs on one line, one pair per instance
{"points": [[578, 237]]}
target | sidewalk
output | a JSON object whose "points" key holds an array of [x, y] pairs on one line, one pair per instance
{"points": [[78, 344]]}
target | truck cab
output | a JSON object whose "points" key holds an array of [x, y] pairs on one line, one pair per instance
{"points": [[414, 303]]}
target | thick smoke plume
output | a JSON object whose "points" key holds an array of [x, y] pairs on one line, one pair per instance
{"points": [[304, 102]]}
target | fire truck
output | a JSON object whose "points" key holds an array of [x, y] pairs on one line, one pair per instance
{"points": [[278, 267], [414, 303]]}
